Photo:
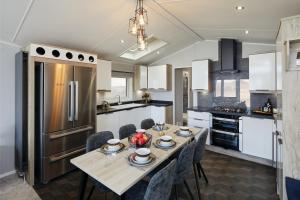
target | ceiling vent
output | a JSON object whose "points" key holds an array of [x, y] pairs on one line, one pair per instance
{"points": [[134, 54]]}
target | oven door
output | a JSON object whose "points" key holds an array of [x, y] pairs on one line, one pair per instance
{"points": [[227, 125], [225, 139]]}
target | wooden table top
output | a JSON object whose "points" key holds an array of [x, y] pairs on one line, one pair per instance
{"points": [[115, 172]]}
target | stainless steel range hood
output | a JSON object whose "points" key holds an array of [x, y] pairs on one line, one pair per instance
{"points": [[228, 55]]}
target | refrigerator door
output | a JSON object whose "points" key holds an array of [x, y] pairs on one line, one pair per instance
{"points": [[85, 96], [58, 100]]}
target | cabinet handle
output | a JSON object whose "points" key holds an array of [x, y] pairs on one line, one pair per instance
{"points": [[198, 119]]}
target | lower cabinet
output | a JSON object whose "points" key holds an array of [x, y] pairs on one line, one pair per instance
{"points": [[113, 121], [200, 120], [109, 122], [258, 137]]}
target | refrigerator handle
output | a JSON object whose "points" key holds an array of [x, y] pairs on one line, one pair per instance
{"points": [[71, 101], [76, 100]]}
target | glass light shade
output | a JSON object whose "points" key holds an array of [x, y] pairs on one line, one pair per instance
{"points": [[141, 16], [142, 43], [133, 28]]}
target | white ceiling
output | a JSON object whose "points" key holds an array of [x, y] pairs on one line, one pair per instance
{"points": [[98, 25]]}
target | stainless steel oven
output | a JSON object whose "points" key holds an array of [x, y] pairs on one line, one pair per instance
{"points": [[225, 131]]}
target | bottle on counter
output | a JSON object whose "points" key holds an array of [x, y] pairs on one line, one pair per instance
{"points": [[268, 106]]}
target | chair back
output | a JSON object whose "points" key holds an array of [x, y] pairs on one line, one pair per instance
{"points": [[160, 185], [185, 162], [96, 140], [200, 146], [126, 131], [147, 123]]}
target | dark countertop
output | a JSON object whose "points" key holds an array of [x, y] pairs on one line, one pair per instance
{"points": [[248, 114], [151, 103]]}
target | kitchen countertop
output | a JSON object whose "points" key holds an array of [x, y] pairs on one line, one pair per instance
{"points": [[151, 103], [248, 114]]}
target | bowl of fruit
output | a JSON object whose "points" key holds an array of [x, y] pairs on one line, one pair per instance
{"points": [[140, 139]]}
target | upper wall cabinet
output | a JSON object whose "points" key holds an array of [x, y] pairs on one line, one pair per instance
{"points": [[262, 72], [200, 75], [141, 78], [160, 77], [104, 75]]}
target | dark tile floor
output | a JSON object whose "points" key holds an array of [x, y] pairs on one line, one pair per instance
{"points": [[229, 179]]}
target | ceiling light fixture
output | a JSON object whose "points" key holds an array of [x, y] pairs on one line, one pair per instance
{"points": [[137, 25], [157, 52], [246, 32], [122, 41], [239, 8]]}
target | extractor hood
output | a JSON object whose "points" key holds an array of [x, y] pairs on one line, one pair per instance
{"points": [[228, 55]]}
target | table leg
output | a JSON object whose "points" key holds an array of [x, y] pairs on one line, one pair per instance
{"points": [[82, 186]]}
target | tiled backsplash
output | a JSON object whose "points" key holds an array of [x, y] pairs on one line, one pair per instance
{"points": [[209, 99]]}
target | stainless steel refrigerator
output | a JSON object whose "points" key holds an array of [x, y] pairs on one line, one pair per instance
{"points": [[65, 115]]}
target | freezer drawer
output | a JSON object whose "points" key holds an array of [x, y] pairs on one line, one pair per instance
{"points": [[65, 140], [59, 164]]}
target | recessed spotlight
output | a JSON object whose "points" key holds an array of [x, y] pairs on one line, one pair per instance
{"points": [[246, 32], [239, 8], [157, 52], [122, 41]]}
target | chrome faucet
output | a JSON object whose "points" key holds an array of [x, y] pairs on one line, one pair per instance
{"points": [[119, 101]]}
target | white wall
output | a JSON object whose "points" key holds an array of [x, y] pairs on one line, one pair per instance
{"points": [[7, 108], [200, 51]]}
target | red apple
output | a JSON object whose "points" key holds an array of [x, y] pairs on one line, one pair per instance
{"points": [[139, 135], [141, 141], [134, 140]]}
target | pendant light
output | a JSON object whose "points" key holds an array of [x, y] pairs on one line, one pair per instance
{"points": [[137, 25]]}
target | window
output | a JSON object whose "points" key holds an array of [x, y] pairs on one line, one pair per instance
{"points": [[245, 91], [218, 88], [229, 88], [122, 84]]}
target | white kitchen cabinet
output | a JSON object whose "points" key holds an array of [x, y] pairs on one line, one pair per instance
{"points": [[262, 72], [141, 77], [160, 77], [200, 75], [109, 122], [158, 114], [278, 71], [200, 120], [103, 75], [258, 137]]}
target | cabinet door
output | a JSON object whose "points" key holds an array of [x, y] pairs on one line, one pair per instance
{"points": [[200, 75], [109, 122], [143, 77], [257, 137], [278, 71], [262, 75], [140, 115], [103, 75], [158, 114], [157, 77]]}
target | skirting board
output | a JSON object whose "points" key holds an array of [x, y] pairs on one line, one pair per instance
{"points": [[7, 174], [239, 155]]}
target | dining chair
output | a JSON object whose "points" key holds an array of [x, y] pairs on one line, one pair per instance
{"points": [[199, 152], [93, 142], [126, 131], [147, 123], [159, 187], [184, 165]]}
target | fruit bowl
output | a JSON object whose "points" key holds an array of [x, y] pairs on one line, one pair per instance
{"points": [[140, 140]]}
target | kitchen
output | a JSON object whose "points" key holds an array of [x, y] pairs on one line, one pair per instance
{"points": [[64, 87]]}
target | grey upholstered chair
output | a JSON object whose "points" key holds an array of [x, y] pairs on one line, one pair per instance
{"points": [[159, 187], [199, 152], [184, 166], [126, 131], [147, 123], [93, 142]]}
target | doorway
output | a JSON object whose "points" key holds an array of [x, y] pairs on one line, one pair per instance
{"points": [[183, 94]]}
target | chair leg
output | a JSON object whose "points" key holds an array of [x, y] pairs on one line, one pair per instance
{"points": [[176, 192], [91, 192], [203, 173], [199, 170], [197, 182], [83, 181], [188, 189]]}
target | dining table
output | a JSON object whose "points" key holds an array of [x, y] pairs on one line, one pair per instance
{"points": [[114, 170]]}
